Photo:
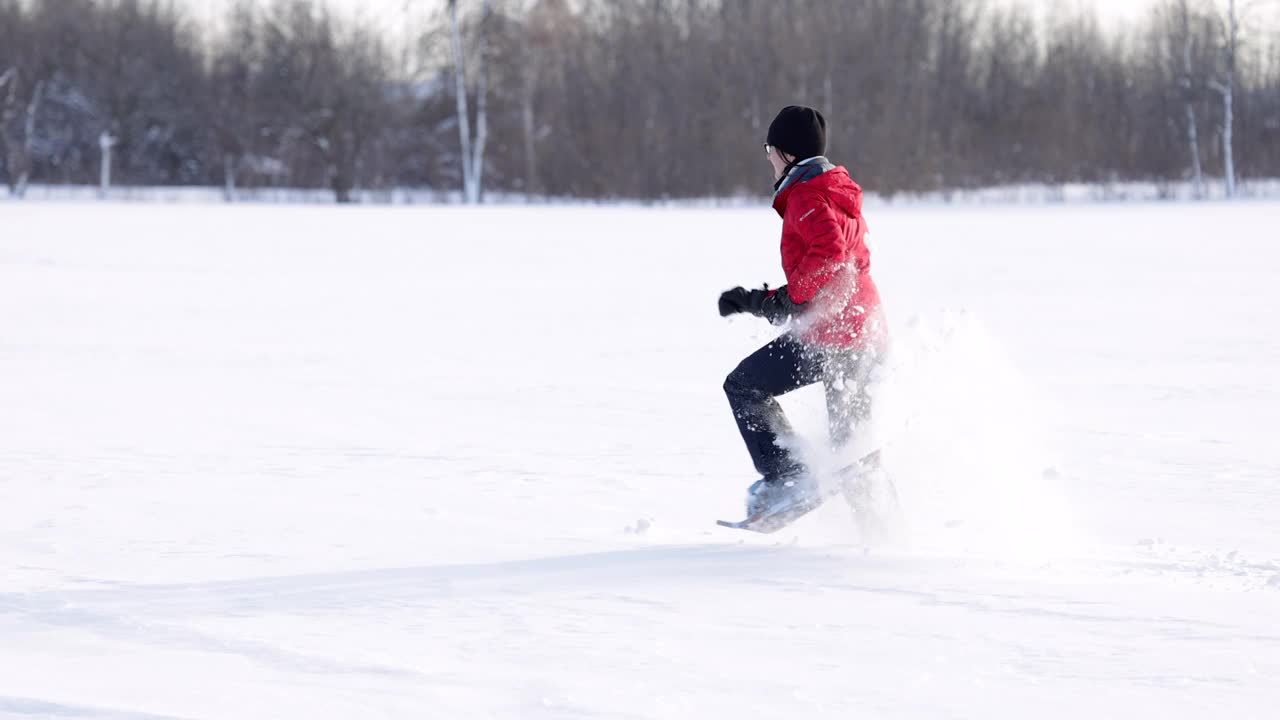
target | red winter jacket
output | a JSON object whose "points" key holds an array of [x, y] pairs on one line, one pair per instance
{"points": [[826, 260]]}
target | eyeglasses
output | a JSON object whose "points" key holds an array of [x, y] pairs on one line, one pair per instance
{"points": [[768, 149]]}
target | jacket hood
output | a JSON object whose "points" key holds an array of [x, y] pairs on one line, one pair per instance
{"points": [[835, 183]]}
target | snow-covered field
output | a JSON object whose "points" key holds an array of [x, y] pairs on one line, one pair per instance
{"points": [[315, 462]]}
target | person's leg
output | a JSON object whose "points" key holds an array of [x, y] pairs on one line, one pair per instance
{"points": [[775, 369], [867, 489], [846, 375]]}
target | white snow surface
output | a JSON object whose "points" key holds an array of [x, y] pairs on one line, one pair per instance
{"points": [[318, 462]]}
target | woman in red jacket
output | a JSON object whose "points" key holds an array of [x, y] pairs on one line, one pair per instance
{"points": [[835, 328]]}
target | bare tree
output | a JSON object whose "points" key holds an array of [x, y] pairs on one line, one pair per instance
{"points": [[232, 109], [354, 119], [9, 79], [544, 23], [1187, 87], [18, 113], [106, 144], [472, 156], [18, 155], [1226, 88], [323, 93]]}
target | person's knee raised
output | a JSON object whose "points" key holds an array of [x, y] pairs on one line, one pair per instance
{"points": [[740, 383], [732, 384]]}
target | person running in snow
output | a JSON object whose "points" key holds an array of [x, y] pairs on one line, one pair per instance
{"points": [[831, 306]]}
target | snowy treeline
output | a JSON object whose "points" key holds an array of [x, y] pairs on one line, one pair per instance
{"points": [[632, 99], [1016, 194]]}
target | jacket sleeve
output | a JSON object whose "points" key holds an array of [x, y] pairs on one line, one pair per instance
{"points": [[820, 225], [777, 306]]}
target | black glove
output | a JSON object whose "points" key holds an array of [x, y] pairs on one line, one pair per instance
{"points": [[734, 301], [740, 300], [776, 308]]}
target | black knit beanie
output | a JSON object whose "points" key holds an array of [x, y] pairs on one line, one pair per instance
{"points": [[799, 131]]}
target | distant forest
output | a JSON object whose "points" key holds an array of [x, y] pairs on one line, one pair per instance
{"points": [[640, 99]]}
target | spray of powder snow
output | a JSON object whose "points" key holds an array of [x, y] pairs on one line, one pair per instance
{"points": [[959, 433]]}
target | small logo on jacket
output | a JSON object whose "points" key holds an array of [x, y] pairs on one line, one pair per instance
{"points": [[811, 211]]}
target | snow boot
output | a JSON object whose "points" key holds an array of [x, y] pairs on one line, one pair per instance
{"points": [[771, 492]]}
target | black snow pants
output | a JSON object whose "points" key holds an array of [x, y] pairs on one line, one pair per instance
{"points": [[788, 364]]}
